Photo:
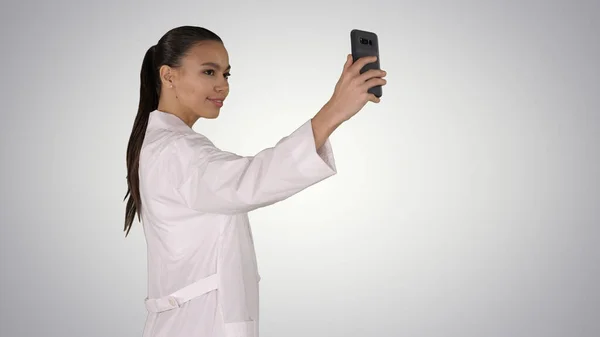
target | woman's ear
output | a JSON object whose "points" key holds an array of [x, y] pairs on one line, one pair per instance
{"points": [[167, 75]]}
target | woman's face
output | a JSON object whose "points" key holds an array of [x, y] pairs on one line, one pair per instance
{"points": [[201, 84]]}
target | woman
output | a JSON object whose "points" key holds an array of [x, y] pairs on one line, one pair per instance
{"points": [[193, 198]]}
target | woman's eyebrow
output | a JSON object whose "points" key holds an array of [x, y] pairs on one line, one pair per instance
{"points": [[212, 64]]}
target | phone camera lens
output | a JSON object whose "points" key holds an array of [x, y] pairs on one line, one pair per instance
{"points": [[366, 41]]}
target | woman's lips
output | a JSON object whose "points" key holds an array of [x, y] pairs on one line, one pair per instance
{"points": [[217, 101]]}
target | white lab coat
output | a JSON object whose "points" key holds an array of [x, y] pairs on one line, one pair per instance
{"points": [[195, 200]]}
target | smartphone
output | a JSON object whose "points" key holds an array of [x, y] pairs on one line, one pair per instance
{"points": [[365, 43]]}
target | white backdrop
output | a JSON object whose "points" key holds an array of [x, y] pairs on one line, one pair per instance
{"points": [[466, 203]]}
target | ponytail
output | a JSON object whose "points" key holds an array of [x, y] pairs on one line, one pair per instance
{"points": [[169, 51], [149, 95]]}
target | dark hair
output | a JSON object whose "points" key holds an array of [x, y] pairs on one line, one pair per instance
{"points": [[168, 51]]}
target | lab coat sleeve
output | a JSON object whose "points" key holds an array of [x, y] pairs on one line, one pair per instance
{"points": [[225, 183]]}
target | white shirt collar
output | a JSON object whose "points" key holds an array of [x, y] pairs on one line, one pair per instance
{"points": [[164, 120]]}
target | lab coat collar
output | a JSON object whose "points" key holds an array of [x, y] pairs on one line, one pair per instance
{"points": [[164, 120]]}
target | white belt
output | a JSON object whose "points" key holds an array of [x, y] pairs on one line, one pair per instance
{"points": [[176, 299]]}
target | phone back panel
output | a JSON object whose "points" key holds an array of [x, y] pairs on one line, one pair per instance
{"points": [[364, 43]]}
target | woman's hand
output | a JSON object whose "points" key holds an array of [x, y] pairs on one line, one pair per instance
{"points": [[351, 91], [349, 97]]}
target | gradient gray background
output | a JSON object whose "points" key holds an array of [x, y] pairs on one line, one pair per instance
{"points": [[466, 203]]}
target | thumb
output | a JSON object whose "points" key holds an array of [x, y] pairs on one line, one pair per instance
{"points": [[348, 62]]}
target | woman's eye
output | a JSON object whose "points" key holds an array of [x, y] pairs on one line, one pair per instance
{"points": [[212, 73]]}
